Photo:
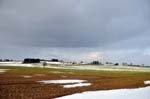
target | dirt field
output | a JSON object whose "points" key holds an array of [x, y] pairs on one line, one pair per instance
{"points": [[21, 82]]}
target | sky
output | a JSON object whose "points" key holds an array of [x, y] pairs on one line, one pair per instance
{"points": [[75, 30]]}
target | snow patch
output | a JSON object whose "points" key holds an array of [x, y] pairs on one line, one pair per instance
{"points": [[139, 93], [26, 76], [3, 70], [77, 85], [55, 63], [67, 83], [16, 64], [147, 82], [10, 62], [61, 81]]}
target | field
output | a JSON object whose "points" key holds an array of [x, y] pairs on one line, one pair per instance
{"points": [[22, 82]]}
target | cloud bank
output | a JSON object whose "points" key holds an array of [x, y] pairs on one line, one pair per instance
{"points": [[51, 28]]}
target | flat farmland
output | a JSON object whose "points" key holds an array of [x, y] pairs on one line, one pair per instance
{"points": [[24, 82]]}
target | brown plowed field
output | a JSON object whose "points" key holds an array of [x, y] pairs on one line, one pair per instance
{"points": [[14, 86]]}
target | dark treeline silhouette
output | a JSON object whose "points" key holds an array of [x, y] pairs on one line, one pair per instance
{"points": [[116, 64], [96, 63], [31, 60], [54, 60]]}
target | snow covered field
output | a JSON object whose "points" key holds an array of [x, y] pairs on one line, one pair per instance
{"points": [[104, 67], [139, 93], [15, 64], [82, 67], [77, 85]]}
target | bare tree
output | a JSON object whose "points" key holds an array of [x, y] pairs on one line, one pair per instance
{"points": [[44, 64]]}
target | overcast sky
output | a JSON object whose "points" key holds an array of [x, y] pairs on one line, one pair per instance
{"points": [[105, 30]]}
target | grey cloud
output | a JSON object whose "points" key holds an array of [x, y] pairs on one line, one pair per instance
{"points": [[64, 28], [72, 23]]}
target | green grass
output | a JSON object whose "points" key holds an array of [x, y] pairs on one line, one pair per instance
{"points": [[79, 72]]}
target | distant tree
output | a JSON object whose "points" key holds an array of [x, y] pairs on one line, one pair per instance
{"points": [[96, 62], [44, 64], [81, 62], [54, 60], [6, 60], [116, 64], [31, 60], [74, 63], [109, 63]]}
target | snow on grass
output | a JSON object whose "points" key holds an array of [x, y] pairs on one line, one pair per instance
{"points": [[59, 72], [139, 93], [16, 64], [77, 85], [61, 81], [3, 70], [10, 62], [104, 68], [147, 82], [55, 63], [19, 64], [28, 76], [81, 67]]}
